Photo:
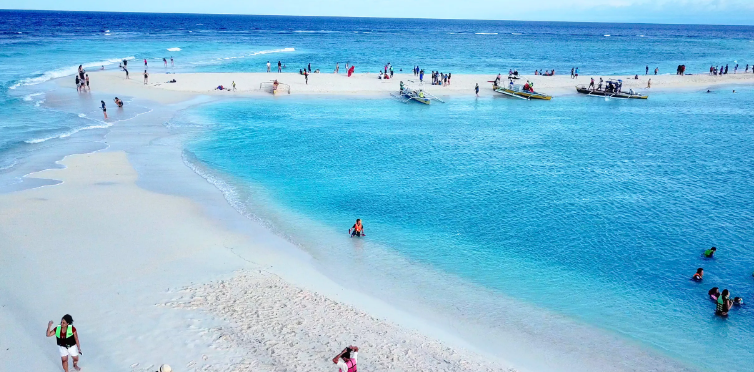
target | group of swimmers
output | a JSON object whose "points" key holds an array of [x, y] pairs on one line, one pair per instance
{"points": [[723, 302]]}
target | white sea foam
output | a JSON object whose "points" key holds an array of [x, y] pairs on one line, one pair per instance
{"points": [[107, 34], [273, 51], [608, 35], [38, 103], [174, 49], [82, 115], [486, 33], [516, 33], [65, 71], [30, 97]]}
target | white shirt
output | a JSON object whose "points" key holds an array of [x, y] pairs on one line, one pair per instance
{"points": [[343, 367]]}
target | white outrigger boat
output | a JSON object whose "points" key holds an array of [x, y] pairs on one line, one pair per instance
{"points": [[406, 94], [275, 87]]}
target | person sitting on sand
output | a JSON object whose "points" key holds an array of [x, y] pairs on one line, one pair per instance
{"points": [[724, 303], [714, 293], [699, 274], [346, 360], [357, 229], [710, 253], [67, 340]]}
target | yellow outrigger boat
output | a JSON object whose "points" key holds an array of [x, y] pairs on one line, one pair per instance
{"points": [[518, 91]]}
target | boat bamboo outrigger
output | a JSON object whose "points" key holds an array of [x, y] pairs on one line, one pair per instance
{"points": [[275, 87], [525, 91], [613, 89], [406, 94]]}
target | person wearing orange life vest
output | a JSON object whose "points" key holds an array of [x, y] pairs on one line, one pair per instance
{"points": [[68, 341], [346, 360], [357, 229]]}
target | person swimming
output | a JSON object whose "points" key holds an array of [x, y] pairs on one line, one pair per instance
{"points": [[714, 293], [699, 274], [738, 301], [710, 252], [357, 229]]}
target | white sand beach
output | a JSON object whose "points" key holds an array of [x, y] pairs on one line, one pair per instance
{"points": [[368, 84], [128, 264]]}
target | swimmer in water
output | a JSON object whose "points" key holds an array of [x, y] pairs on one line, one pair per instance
{"points": [[118, 102], [357, 229], [738, 301], [699, 274], [710, 252], [714, 293]]}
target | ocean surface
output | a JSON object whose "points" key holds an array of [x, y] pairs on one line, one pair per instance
{"points": [[594, 210]]}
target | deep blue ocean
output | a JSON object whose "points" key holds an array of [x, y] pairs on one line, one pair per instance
{"points": [[594, 210]]}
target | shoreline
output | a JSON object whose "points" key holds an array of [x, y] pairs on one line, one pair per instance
{"points": [[190, 85], [145, 173]]}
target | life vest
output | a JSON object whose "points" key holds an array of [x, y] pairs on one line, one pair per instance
{"points": [[351, 366], [358, 227], [68, 332]]}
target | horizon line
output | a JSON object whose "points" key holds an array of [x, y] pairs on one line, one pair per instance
{"points": [[372, 17]]}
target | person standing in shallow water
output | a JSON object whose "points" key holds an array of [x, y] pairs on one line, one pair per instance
{"points": [[104, 109], [357, 229], [67, 340], [476, 88]]}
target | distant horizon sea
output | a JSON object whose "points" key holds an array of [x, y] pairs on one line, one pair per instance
{"points": [[546, 223]]}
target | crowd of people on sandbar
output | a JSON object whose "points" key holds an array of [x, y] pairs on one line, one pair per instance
{"points": [[723, 301]]}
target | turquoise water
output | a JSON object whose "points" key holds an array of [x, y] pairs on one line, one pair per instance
{"points": [[595, 211], [591, 208]]}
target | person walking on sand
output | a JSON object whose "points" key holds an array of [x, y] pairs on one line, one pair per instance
{"points": [[126, 70], [476, 89], [104, 109], [357, 229], [649, 83], [280, 67], [146, 77], [346, 360], [268, 66], [306, 77], [234, 85], [68, 340]]}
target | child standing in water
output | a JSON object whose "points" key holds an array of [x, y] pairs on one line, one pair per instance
{"points": [[357, 229], [68, 341], [104, 109]]}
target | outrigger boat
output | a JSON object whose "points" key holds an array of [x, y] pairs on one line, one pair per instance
{"points": [[519, 91], [275, 87], [612, 90], [406, 94]]}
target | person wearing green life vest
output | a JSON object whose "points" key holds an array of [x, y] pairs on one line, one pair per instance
{"points": [[68, 341], [724, 303], [710, 252]]}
